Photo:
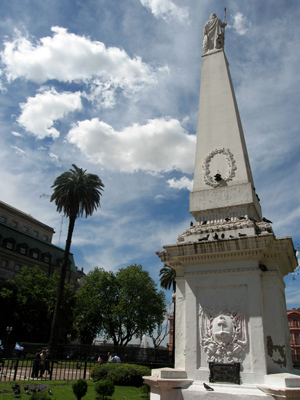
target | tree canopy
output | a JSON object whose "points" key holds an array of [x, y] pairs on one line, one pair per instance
{"points": [[27, 304], [119, 306]]}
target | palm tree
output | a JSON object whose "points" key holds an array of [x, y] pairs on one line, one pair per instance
{"points": [[75, 193], [167, 280]]}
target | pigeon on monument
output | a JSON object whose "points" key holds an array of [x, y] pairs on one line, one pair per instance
{"points": [[267, 220], [208, 387], [204, 238]]}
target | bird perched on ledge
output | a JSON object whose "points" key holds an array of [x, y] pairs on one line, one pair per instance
{"points": [[208, 387], [267, 220], [204, 238]]}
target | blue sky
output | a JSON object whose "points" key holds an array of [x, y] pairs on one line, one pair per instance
{"points": [[113, 86]]}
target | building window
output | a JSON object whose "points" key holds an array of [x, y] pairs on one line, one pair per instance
{"points": [[4, 263], [25, 229], [297, 338], [17, 267], [35, 233], [9, 244], [22, 249], [2, 219], [14, 224], [34, 253], [45, 238], [46, 257]]}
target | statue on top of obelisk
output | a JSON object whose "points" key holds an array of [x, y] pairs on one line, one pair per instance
{"points": [[214, 33]]}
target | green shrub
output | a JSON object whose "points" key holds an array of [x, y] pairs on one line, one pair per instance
{"points": [[79, 388], [120, 374], [29, 356], [40, 396], [104, 388], [145, 391]]}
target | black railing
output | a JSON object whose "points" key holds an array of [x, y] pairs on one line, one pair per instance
{"points": [[128, 354], [22, 370]]}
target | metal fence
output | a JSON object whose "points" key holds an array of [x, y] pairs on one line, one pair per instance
{"points": [[75, 361], [128, 354], [12, 369]]}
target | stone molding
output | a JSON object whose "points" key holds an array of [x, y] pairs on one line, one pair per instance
{"points": [[223, 271]]}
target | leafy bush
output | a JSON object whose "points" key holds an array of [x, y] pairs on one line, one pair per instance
{"points": [[40, 396], [120, 374], [79, 388], [104, 388], [145, 391], [29, 356]]}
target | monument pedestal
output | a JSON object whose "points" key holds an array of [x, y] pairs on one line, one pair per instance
{"points": [[278, 386], [230, 309]]}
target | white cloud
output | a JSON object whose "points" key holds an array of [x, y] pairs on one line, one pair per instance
{"points": [[14, 133], [183, 183], [167, 10], [67, 57], [158, 146], [18, 150], [102, 94], [55, 159], [240, 24], [40, 112]]}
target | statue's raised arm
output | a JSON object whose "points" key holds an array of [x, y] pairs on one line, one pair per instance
{"points": [[213, 35]]}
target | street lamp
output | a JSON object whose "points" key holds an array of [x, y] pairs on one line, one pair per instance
{"points": [[8, 330]]}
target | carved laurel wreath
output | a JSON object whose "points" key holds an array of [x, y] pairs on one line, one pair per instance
{"points": [[209, 180]]}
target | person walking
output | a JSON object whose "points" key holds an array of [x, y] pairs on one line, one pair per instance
{"points": [[36, 364]]}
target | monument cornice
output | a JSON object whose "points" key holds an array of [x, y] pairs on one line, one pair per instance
{"points": [[267, 248]]}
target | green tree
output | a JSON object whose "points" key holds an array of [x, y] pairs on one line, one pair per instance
{"points": [[75, 193], [94, 303], [27, 304], [121, 306], [167, 278]]}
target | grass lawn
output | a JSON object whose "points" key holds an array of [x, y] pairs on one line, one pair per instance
{"points": [[62, 390]]}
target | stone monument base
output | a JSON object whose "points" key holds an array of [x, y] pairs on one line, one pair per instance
{"points": [[171, 384]]}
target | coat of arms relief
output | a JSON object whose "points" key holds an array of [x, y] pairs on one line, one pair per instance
{"points": [[223, 334]]}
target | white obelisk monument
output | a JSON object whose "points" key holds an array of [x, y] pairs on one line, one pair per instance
{"points": [[231, 329]]}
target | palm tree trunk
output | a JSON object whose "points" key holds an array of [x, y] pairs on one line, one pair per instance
{"points": [[54, 336], [174, 320]]}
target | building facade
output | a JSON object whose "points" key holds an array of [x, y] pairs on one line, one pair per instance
{"points": [[27, 242], [294, 324]]}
